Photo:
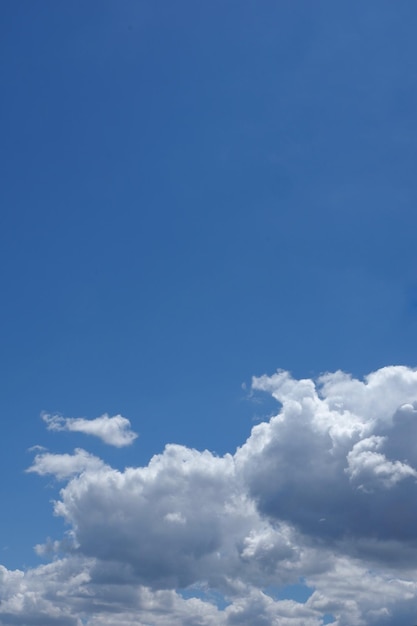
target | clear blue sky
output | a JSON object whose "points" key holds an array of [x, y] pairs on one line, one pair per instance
{"points": [[192, 194]]}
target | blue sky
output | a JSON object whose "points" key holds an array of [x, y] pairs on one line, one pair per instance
{"points": [[193, 194]]}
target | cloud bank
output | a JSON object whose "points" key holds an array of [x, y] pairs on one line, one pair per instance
{"points": [[323, 494]]}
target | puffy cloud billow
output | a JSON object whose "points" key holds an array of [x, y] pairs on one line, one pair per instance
{"points": [[324, 493]]}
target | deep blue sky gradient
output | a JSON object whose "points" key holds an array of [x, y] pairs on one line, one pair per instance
{"points": [[194, 193]]}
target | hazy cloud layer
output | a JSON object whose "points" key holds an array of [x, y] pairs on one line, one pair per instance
{"points": [[115, 431], [325, 492]]}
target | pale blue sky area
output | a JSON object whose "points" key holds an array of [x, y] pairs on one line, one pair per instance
{"points": [[194, 193]]}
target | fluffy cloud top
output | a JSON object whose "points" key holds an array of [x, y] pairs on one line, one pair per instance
{"points": [[115, 431], [324, 492]]}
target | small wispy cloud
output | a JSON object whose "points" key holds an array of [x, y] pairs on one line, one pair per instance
{"points": [[65, 465], [37, 448], [115, 431]]}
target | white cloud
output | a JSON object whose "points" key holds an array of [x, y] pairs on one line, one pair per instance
{"points": [[359, 596], [65, 465], [305, 464], [325, 491], [115, 431], [370, 469], [175, 522]]}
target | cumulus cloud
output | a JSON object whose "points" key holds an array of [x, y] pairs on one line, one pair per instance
{"points": [[324, 493], [328, 447], [115, 431]]}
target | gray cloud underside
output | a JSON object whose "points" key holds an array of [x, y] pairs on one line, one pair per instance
{"points": [[325, 492]]}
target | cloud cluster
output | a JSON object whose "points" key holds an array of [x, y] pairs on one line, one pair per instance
{"points": [[324, 493]]}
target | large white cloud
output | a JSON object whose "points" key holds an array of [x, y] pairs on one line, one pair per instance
{"points": [[324, 492], [332, 462]]}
